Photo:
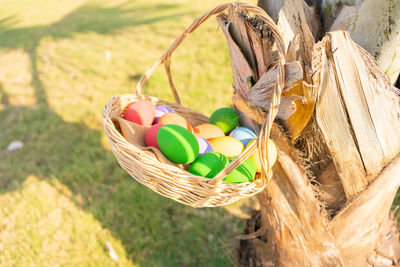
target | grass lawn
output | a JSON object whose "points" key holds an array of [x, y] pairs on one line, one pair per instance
{"points": [[64, 200]]}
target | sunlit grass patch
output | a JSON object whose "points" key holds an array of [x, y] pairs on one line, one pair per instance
{"points": [[42, 226], [63, 195]]}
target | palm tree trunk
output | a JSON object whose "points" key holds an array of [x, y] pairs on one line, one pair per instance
{"points": [[338, 168]]}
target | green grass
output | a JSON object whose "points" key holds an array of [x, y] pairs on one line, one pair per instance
{"points": [[63, 196]]}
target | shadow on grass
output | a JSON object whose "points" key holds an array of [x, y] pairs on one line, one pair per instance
{"points": [[154, 230]]}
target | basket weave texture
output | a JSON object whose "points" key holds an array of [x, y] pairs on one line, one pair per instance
{"points": [[152, 169]]}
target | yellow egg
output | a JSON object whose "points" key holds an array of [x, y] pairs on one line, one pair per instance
{"points": [[227, 145], [272, 154]]}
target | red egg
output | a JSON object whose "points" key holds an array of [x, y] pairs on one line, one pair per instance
{"points": [[141, 112], [151, 135], [174, 118]]}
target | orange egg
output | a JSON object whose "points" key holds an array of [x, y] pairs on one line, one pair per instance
{"points": [[272, 154], [208, 131], [174, 118]]}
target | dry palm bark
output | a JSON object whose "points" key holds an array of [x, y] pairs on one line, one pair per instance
{"points": [[373, 24], [338, 136]]}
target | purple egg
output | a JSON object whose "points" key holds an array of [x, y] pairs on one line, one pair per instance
{"points": [[204, 146], [160, 111]]}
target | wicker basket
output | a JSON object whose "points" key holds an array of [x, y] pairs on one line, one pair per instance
{"points": [[174, 181]]}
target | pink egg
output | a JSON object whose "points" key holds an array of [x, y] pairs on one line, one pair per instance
{"points": [[151, 135], [141, 112]]}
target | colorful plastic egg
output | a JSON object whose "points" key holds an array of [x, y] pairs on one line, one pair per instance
{"points": [[141, 112], [224, 118], [244, 173], [204, 146], [208, 131], [243, 134], [151, 135], [209, 164], [272, 154], [162, 110], [174, 118], [177, 143], [227, 145]]}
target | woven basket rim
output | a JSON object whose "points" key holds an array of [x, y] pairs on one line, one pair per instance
{"points": [[138, 149]]}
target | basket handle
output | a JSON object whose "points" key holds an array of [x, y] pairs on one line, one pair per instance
{"points": [[166, 57], [262, 142]]}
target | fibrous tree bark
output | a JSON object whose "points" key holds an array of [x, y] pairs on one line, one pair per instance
{"points": [[373, 24], [338, 137]]}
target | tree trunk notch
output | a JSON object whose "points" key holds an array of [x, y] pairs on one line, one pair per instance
{"points": [[338, 139]]}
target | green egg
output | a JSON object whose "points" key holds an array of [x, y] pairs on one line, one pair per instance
{"points": [[224, 118], [209, 164], [177, 144], [244, 173]]}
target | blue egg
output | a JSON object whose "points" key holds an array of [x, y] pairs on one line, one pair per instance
{"points": [[243, 134]]}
